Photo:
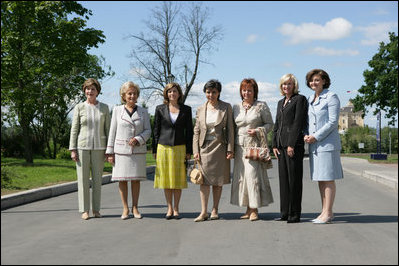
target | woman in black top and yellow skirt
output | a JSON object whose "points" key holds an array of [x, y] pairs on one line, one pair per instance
{"points": [[172, 145]]}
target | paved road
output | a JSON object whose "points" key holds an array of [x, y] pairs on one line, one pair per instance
{"points": [[365, 230]]}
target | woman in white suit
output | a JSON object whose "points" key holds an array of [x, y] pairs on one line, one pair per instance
{"points": [[324, 141], [126, 148]]}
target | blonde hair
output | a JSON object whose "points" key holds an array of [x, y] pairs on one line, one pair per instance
{"points": [[170, 86], [125, 87], [286, 78]]}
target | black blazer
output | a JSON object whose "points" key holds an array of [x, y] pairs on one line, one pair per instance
{"points": [[291, 122], [167, 133]]}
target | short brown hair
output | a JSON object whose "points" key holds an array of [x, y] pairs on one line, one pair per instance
{"points": [[170, 86], [89, 82], [249, 82], [323, 74], [125, 87]]}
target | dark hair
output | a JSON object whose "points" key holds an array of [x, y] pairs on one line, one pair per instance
{"points": [[214, 84], [323, 74], [249, 82], [170, 86]]}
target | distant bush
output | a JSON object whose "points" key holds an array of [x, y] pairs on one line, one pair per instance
{"points": [[63, 153]]}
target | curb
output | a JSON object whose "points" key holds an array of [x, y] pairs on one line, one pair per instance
{"points": [[382, 179], [378, 178], [36, 194]]}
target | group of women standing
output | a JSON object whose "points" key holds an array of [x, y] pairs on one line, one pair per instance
{"points": [[221, 133]]}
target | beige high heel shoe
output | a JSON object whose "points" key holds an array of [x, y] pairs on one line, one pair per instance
{"points": [[85, 216], [201, 218], [247, 213], [254, 215]]}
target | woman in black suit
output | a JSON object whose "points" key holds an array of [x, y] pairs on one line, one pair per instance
{"points": [[172, 145], [288, 147]]}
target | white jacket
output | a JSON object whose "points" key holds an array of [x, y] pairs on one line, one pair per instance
{"points": [[124, 127]]}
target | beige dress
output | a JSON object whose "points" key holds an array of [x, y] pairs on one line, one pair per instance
{"points": [[213, 138], [250, 186]]}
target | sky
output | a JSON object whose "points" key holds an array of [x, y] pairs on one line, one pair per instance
{"points": [[262, 40]]}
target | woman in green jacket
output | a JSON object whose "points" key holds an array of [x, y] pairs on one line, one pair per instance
{"points": [[88, 141]]}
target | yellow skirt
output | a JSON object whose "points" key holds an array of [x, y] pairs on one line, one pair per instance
{"points": [[170, 171]]}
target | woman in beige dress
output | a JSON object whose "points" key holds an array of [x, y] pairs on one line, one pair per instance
{"points": [[250, 186], [213, 146]]}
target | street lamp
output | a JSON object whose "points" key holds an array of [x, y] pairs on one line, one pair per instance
{"points": [[171, 78]]}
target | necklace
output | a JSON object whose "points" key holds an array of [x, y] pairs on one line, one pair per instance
{"points": [[246, 106]]}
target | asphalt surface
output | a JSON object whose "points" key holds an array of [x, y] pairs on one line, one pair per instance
{"points": [[364, 231]]}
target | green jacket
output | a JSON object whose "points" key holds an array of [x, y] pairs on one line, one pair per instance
{"points": [[86, 135]]}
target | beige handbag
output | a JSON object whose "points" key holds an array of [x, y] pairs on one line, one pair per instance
{"points": [[196, 176], [261, 153]]}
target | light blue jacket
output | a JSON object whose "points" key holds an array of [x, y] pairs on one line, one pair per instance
{"points": [[323, 122]]}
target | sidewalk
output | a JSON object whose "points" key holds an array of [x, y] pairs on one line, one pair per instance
{"points": [[386, 174]]}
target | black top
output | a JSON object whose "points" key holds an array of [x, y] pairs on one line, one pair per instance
{"points": [[291, 122], [131, 113], [167, 133]]}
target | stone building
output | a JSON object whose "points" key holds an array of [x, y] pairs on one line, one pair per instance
{"points": [[348, 118]]}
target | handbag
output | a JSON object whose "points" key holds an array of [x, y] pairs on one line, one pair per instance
{"points": [[261, 153], [196, 176]]}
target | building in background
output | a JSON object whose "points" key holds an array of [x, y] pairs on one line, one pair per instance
{"points": [[348, 118]]}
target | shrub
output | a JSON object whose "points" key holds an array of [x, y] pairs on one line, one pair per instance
{"points": [[63, 153]]}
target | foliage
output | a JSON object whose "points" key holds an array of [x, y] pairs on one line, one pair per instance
{"points": [[64, 153], [44, 61], [173, 46], [381, 87], [353, 136]]}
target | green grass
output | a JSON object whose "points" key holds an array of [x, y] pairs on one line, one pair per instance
{"points": [[391, 159], [43, 172]]}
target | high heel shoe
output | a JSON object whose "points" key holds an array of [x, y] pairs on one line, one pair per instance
{"points": [[327, 221], [85, 216], [201, 218], [96, 214], [137, 215], [214, 216], [254, 216], [124, 217]]}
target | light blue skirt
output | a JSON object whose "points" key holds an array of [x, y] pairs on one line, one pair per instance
{"points": [[325, 166]]}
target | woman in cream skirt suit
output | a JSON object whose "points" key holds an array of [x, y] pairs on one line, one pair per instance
{"points": [[126, 148], [250, 186], [213, 146]]}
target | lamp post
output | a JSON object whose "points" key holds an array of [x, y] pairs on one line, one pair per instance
{"points": [[171, 78]]}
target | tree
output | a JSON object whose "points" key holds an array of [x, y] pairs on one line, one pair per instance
{"points": [[44, 60], [381, 81], [173, 46]]}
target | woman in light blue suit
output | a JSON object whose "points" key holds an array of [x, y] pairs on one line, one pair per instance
{"points": [[324, 141]]}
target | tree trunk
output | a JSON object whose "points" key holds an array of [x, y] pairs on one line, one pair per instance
{"points": [[27, 141]]}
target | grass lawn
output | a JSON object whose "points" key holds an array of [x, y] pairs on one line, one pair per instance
{"points": [[43, 172], [391, 159]]}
